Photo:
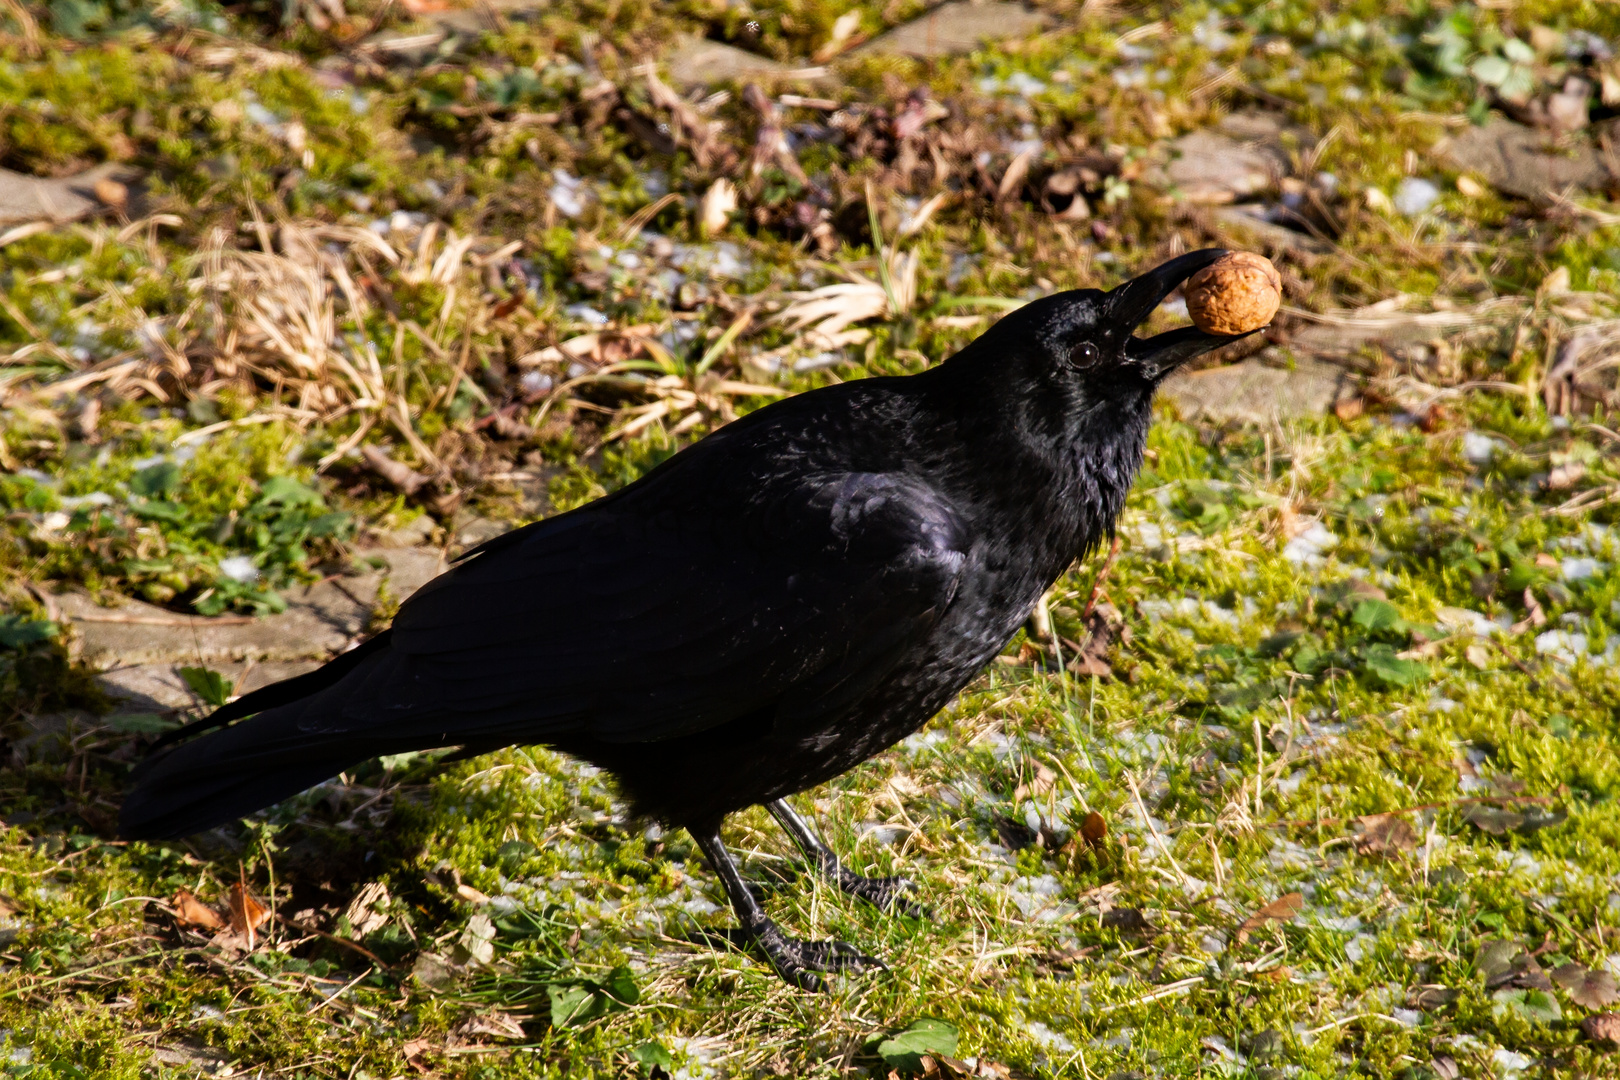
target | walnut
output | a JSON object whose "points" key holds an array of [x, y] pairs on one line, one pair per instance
{"points": [[1235, 294]]}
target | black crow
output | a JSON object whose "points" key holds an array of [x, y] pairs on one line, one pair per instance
{"points": [[763, 611]]}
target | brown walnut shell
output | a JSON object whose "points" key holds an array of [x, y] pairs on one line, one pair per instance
{"points": [[1235, 294]]}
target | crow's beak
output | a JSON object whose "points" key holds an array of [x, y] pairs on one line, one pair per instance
{"points": [[1130, 304]]}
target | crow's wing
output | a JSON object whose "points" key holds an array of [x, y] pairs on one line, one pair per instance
{"points": [[635, 619]]}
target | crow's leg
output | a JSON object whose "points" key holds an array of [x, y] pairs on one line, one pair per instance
{"points": [[887, 893], [795, 960]]}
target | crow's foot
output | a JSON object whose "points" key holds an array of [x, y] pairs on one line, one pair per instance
{"points": [[797, 960], [886, 893]]}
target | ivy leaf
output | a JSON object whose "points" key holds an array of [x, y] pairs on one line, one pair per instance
{"points": [[904, 1049]]}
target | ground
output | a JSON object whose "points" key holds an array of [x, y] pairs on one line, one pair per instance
{"points": [[1315, 776]]}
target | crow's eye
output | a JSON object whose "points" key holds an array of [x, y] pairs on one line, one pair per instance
{"points": [[1085, 355]]}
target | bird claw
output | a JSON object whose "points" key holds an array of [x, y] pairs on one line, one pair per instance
{"points": [[796, 959], [884, 893]]}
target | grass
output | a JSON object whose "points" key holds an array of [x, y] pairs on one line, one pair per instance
{"points": [[1355, 755]]}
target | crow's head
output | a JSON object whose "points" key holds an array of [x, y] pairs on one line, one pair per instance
{"points": [[1087, 337]]}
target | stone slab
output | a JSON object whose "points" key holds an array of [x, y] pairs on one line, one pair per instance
{"points": [[1241, 156], [160, 688], [700, 62], [1248, 222], [320, 621], [953, 28], [1254, 393], [1523, 161], [60, 199]]}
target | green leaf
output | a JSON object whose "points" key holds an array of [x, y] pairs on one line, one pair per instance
{"points": [[16, 631], [649, 1054], [211, 686], [1536, 1006], [157, 480], [904, 1049], [159, 510], [142, 723], [1382, 663], [1376, 615], [573, 1005], [621, 984], [1491, 70], [286, 491]]}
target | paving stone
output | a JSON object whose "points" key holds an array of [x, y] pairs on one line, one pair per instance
{"points": [[1523, 161], [700, 62], [957, 27], [1240, 157], [1250, 223], [320, 620], [1345, 333], [1255, 393], [68, 198], [160, 688]]}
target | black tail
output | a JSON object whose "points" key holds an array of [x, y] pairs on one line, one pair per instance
{"points": [[296, 739]]}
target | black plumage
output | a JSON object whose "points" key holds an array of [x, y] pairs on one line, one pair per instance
{"points": [[773, 605]]}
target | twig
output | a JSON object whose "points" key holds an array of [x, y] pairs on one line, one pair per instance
{"points": [[1102, 576], [1168, 990], [345, 942], [160, 620]]}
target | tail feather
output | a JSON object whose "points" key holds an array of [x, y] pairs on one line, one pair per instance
{"points": [[272, 755]]}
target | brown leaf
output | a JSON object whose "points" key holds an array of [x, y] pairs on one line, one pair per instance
{"points": [[471, 895], [247, 914], [1094, 829], [1282, 909], [1602, 1027], [193, 912], [416, 1052], [1384, 834], [494, 1024], [1128, 919], [1036, 786], [363, 912], [1590, 989], [1430, 996], [1492, 820], [1105, 627]]}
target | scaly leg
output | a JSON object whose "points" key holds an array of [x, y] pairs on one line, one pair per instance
{"points": [[886, 893], [795, 960]]}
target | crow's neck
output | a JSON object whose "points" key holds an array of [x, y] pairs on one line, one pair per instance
{"points": [[1050, 472]]}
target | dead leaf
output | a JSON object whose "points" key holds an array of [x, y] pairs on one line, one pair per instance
{"points": [[1283, 909], [1565, 476], [1590, 989], [1127, 919], [494, 1024], [1037, 785], [1385, 834], [1492, 819], [1093, 829], [363, 914], [1602, 1027], [247, 914], [1478, 655], [193, 912], [1445, 1067], [416, 1052], [1430, 996], [471, 895], [1105, 627], [718, 204]]}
